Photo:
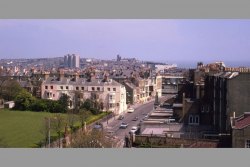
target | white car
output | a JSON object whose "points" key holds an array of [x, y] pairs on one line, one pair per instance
{"points": [[123, 125], [133, 129], [131, 110]]}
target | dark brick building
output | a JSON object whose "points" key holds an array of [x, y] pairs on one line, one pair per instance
{"points": [[225, 93]]}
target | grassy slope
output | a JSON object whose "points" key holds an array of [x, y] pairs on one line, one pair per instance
{"points": [[23, 128]]}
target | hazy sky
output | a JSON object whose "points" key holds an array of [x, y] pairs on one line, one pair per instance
{"points": [[158, 40]]}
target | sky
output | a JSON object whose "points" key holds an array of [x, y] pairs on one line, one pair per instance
{"points": [[152, 40]]}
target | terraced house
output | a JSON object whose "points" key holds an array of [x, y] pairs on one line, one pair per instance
{"points": [[110, 93]]}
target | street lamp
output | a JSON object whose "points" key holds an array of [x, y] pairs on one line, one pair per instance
{"points": [[49, 132], [107, 117]]}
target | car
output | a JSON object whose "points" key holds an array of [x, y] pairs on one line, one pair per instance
{"points": [[146, 116], [133, 130], [123, 125], [131, 110], [135, 119], [121, 117], [98, 126]]}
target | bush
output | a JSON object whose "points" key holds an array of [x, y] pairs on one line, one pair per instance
{"points": [[39, 105]]}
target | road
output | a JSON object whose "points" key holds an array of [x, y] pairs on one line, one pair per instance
{"points": [[140, 112]]}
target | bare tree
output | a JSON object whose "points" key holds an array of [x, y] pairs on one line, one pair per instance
{"points": [[57, 124], [91, 139], [71, 119], [83, 115], [45, 131]]}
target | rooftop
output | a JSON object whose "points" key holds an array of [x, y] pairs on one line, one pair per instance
{"points": [[242, 121]]}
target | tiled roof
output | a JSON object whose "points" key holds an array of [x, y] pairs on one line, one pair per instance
{"points": [[80, 81], [242, 121]]}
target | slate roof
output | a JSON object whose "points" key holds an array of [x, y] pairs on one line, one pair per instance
{"points": [[79, 81], [242, 121]]}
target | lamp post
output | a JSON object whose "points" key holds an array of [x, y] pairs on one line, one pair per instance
{"points": [[49, 132], [107, 117]]}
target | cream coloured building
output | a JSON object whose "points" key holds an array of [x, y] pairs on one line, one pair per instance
{"points": [[111, 93]]}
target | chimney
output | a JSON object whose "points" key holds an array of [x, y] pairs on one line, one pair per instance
{"points": [[197, 91], [234, 115], [46, 75], [106, 78], [76, 76], [61, 75], [92, 77], [183, 105]]}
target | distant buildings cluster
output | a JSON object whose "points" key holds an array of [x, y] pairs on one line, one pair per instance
{"points": [[72, 61]]}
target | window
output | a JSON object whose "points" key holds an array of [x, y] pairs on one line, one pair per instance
{"points": [[108, 89], [82, 88], [53, 95], [114, 89], [46, 87], [202, 109], [77, 88], [98, 88], [67, 87], [51, 87], [194, 119], [111, 105], [247, 143], [110, 97], [93, 88], [190, 118], [61, 87]]}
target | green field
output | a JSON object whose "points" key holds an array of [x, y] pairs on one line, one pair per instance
{"points": [[22, 129]]}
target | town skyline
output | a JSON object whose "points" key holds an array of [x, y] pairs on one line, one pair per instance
{"points": [[166, 40]]}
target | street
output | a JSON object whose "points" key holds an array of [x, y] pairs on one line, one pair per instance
{"points": [[140, 112]]}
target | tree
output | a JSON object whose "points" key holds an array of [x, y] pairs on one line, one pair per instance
{"points": [[9, 88], [23, 100], [87, 104], [57, 124], [45, 131], [92, 105], [77, 102], [91, 139], [39, 105], [63, 103], [71, 119], [83, 115]]}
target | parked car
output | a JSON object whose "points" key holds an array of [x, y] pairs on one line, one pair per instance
{"points": [[121, 117], [135, 119], [145, 117], [123, 125], [98, 125], [131, 110], [133, 130]]}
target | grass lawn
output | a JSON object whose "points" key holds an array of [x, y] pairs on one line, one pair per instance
{"points": [[22, 129]]}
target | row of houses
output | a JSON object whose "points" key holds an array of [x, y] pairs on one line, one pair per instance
{"points": [[113, 95]]}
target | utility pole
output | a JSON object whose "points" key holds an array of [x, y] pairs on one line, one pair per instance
{"points": [[49, 132]]}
